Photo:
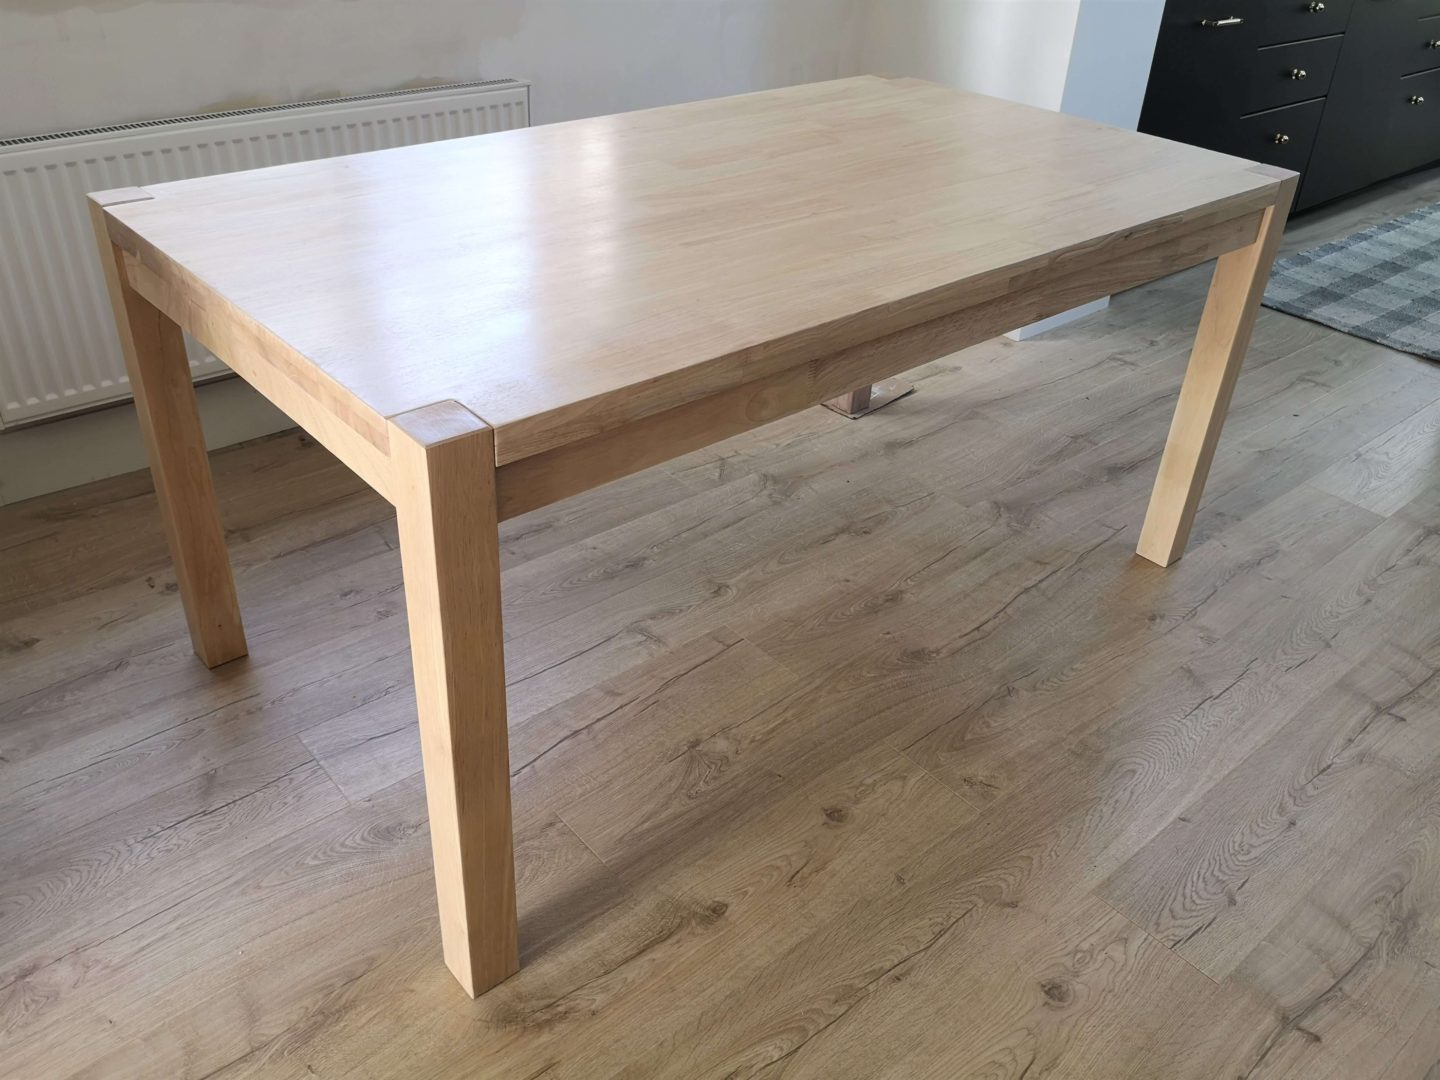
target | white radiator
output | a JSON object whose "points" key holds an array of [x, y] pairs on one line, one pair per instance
{"points": [[58, 350]]}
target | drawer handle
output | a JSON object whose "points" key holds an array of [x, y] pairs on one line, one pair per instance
{"points": [[1281, 140], [1433, 43], [1417, 99], [1229, 20], [1299, 73], [1316, 6]]}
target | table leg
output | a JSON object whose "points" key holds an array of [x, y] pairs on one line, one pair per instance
{"points": [[1220, 343], [854, 403], [450, 552], [867, 399], [169, 416]]}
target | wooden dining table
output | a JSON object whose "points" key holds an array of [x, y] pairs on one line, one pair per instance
{"points": [[481, 326]]}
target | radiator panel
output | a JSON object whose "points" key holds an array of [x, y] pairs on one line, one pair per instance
{"points": [[58, 350]]}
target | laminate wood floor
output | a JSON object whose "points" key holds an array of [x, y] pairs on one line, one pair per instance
{"points": [[844, 749]]}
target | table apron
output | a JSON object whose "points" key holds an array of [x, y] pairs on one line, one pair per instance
{"points": [[360, 439], [547, 477], [325, 412]]}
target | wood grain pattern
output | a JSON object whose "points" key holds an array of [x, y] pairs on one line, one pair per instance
{"points": [[1389, 471], [708, 257], [852, 403], [883, 732], [977, 242], [170, 421], [543, 478], [860, 746], [449, 547], [1220, 347], [357, 436]]}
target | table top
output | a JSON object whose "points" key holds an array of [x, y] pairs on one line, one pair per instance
{"points": [[561, 280]]}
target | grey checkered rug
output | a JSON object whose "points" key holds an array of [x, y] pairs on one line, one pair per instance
{"points": [[1382, 284]]}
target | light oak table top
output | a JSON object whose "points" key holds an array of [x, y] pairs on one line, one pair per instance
{"points": [[483, 326], [560, 280]]}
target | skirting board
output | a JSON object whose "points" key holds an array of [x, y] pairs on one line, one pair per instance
{"points": [[92, 446], [1025, 333]]}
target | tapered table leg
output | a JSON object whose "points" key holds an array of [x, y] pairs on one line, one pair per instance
{"points": [[1225, 327], [444, 460], [160, 379]]}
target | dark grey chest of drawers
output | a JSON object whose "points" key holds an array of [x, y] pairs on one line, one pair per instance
{"points": [[1346, 92]]}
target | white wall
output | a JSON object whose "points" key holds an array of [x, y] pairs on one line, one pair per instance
{"points": [[1085, 57], [1016, 49], [75, 63], [1110, 60]]}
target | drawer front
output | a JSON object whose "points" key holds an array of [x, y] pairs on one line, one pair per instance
{"points": [[1413, 128], [1285, 74], [1417, 46], [1297, 20], [1193, 88], [1281, 137], [1236, 23]]}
